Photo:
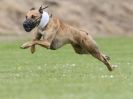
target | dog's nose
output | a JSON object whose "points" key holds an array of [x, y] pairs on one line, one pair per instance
{"points": [[29, 24], [25, 24]]}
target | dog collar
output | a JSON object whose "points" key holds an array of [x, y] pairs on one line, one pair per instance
{"points": [[44, 20]]}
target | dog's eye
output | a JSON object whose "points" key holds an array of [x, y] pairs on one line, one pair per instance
{"points": [[33, 17]]}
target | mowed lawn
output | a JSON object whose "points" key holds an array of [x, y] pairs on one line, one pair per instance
{"points": [[62, 74]]}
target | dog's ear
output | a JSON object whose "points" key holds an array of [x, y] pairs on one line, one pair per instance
{"points": [[41, 9], [45, 7], [32, 8]]}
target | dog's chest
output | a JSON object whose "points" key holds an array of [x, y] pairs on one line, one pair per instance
{"points": [[43, 33], [55, 44]]}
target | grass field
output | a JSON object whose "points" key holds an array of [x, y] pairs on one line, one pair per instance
{"points": [[62, 74]]}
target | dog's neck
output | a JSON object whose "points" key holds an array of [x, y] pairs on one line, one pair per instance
{"points": [[44, 20]]}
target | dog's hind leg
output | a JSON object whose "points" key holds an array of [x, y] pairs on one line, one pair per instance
{"points": [[94, 51], [103, 59], [78, 49]]}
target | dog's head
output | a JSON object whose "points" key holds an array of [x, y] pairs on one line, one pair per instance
{"points": [[33, 18]]}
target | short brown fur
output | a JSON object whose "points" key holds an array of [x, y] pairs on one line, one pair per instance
{"points": [[56, 34]]}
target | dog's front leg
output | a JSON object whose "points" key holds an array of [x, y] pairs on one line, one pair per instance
{"points": [[47, 40], [37, 37], [43, 43], [32, 49], [28, 44]]}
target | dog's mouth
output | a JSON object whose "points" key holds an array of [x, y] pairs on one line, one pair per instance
{"points": [[28, 29], [29, 25]]}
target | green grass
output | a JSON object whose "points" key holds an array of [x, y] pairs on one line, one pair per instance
{"points": [[62, 74]]}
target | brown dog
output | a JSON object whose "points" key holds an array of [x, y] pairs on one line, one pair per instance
{"points": [[56, 34]]}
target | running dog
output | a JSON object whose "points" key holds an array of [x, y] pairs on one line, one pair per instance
{"points": [[55, 34]]}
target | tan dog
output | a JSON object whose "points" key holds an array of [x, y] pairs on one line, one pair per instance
{"points": [[56, 34]]}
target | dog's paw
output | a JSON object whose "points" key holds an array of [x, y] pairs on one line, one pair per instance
{"points": [[26, 45], [114, 66], [32, 49]]}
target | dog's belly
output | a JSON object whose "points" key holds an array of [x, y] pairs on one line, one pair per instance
{"points": [[79, 50], [55, 44]]}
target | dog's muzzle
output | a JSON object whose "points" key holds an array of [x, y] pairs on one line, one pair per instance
{"points": [[29, 24]]}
